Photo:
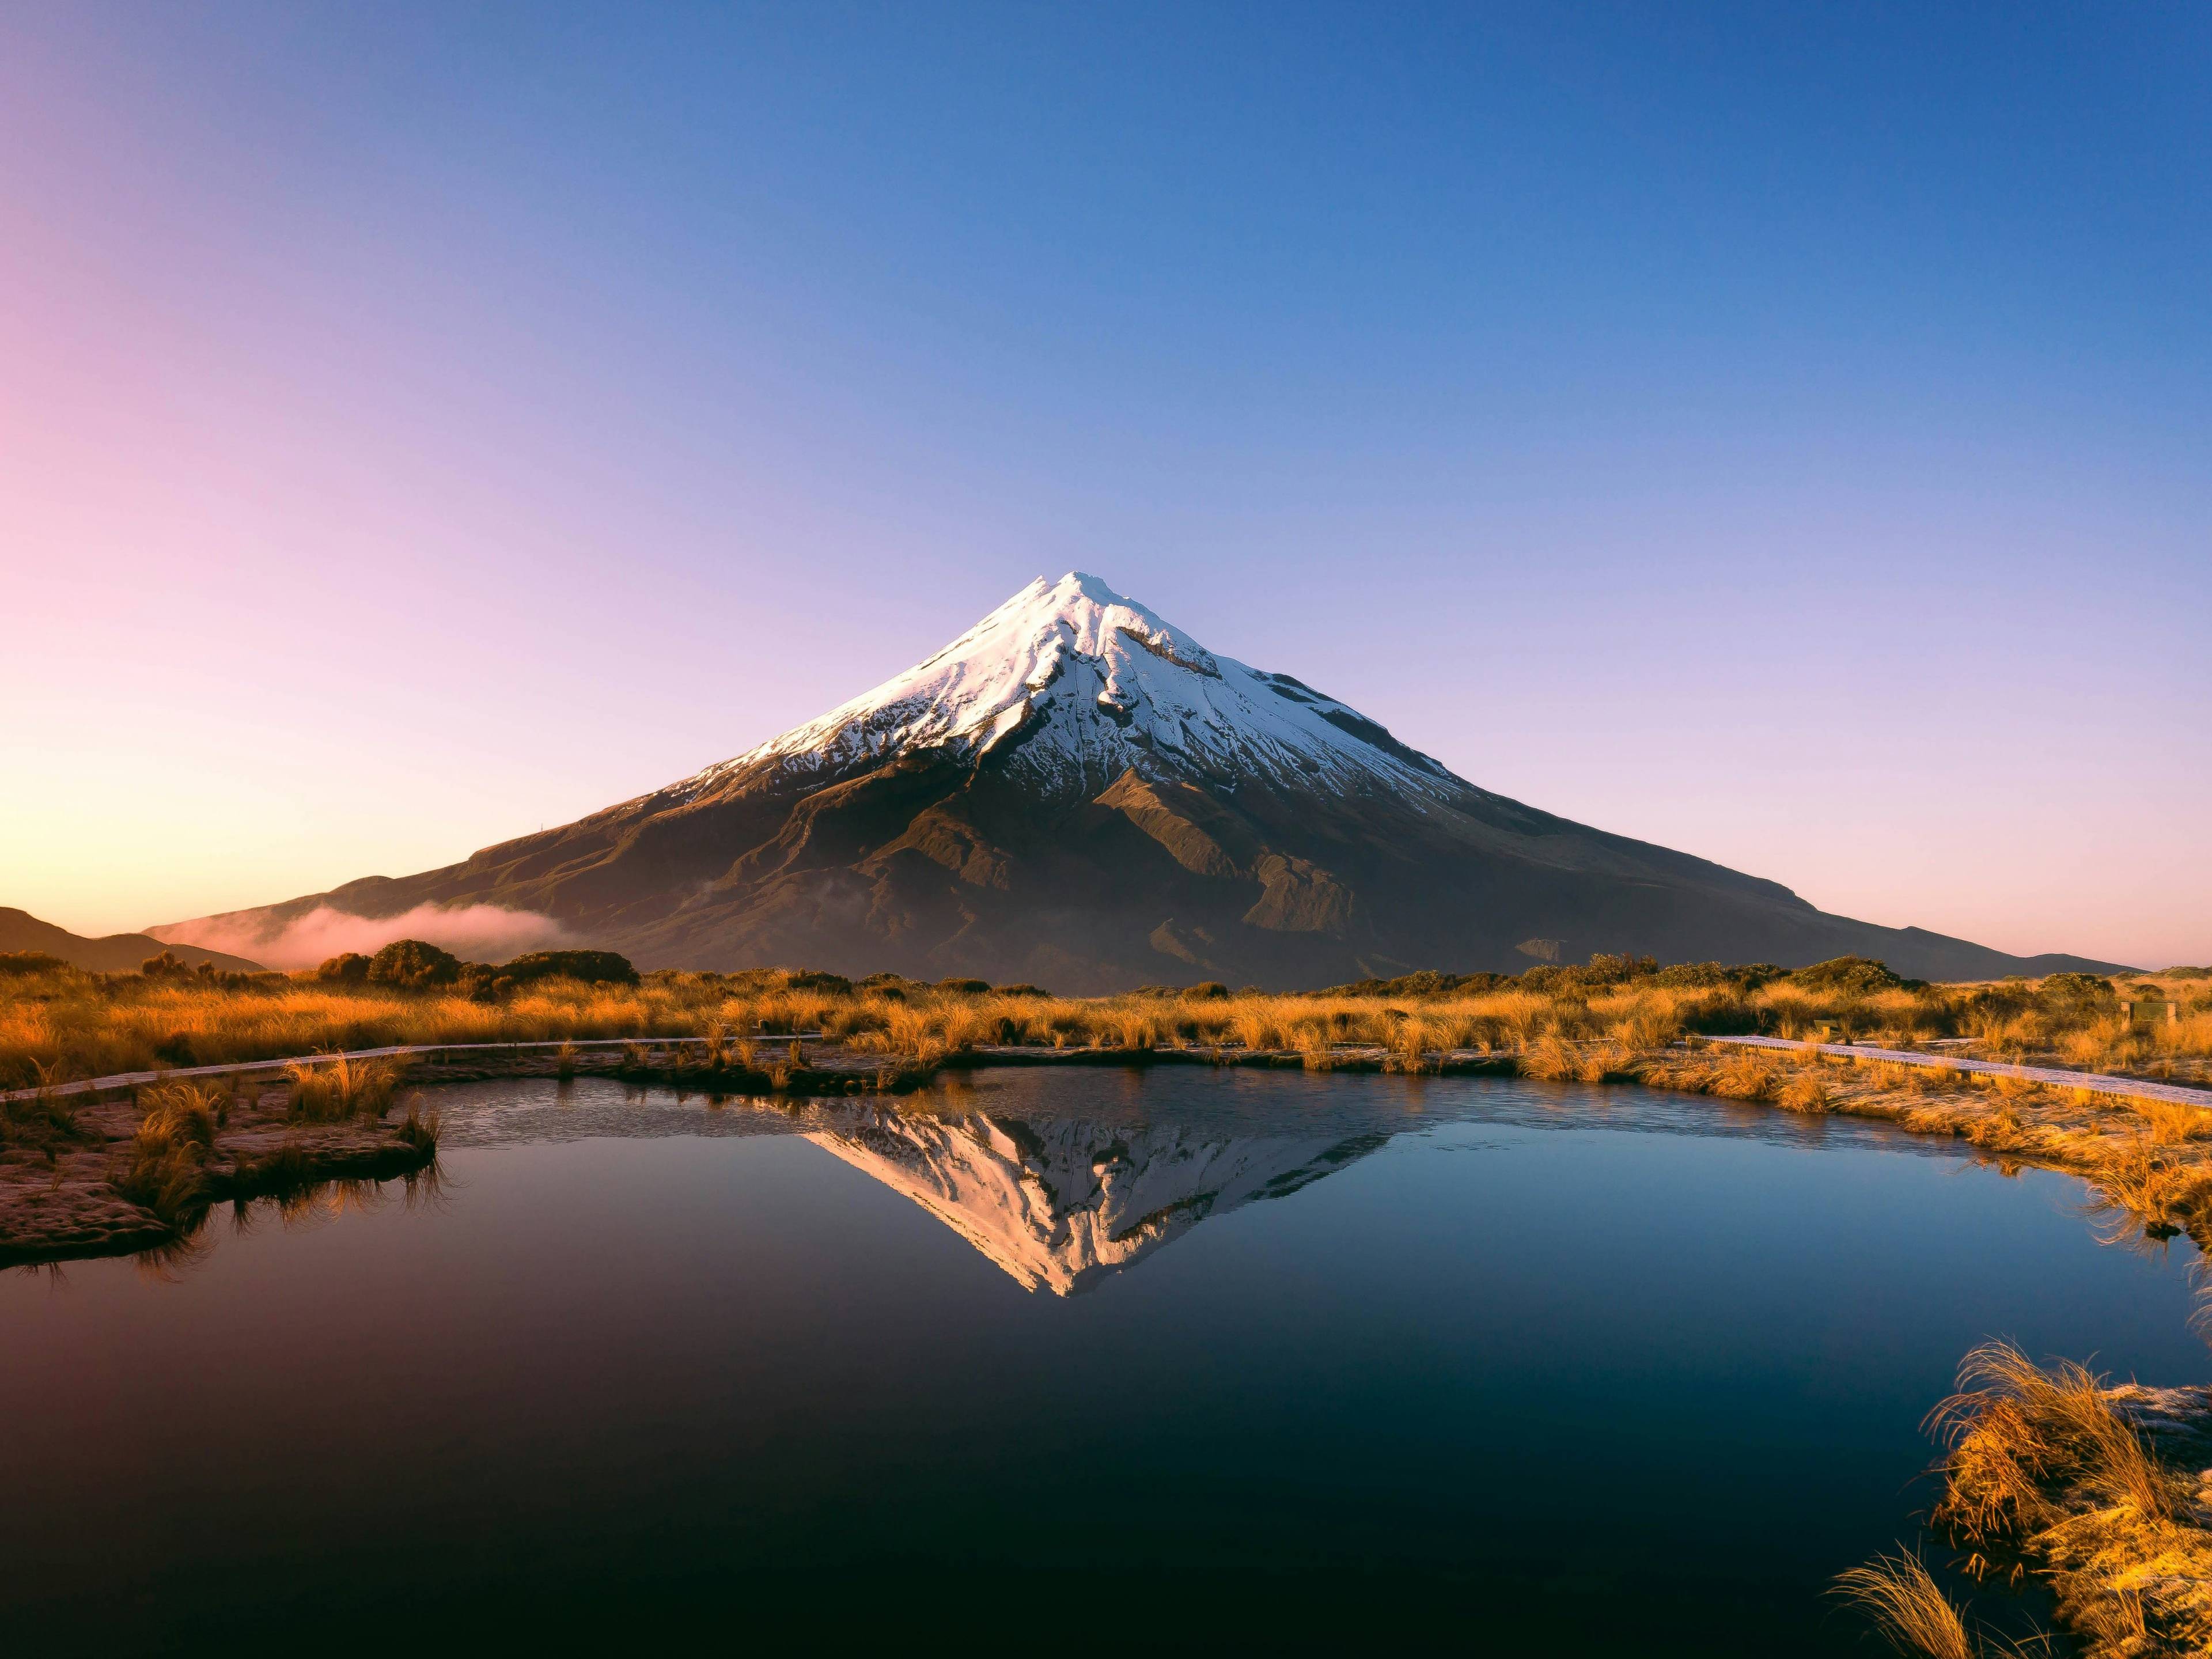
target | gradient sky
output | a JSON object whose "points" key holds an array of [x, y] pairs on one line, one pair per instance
{"points": [[1780, 432]]}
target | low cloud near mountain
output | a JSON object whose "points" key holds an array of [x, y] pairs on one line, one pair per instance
{"points": [[481, 933]]}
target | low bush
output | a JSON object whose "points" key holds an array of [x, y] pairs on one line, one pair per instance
{"points": [[413, 964], [14, 962], [1849, 975], [591, 967]]}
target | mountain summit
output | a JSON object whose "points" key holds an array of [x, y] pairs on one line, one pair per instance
{"points": [[1068, 685], [1076, 792]]}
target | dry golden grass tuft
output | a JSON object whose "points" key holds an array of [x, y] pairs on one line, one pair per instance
{"points": [[2043, 1472], [165, 1171], [1746, 1074], [1805, 1092], [331, 1090], [1901, 1598]]}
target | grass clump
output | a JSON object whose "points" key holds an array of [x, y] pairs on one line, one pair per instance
{"points": [[1805, 1092], [332, 1090], [166, 1169], [419, 1130], [1908, 1607], [43, 1123], [2045, 1473], [1909, 1611]]}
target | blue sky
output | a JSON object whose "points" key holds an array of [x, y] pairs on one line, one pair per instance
{"points": [[1778, 433]]}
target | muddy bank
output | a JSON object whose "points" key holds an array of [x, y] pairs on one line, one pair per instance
{"points": [[67, 1186]]}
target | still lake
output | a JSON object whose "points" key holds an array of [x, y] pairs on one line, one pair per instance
{"points": [[1155, 1358]]}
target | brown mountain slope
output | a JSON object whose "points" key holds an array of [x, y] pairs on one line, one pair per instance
{"points": [[115, 954], [1077, 794]]}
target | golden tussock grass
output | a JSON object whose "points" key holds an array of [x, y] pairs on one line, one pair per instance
{"points": [[84, 1025], [2043, 1472], [1900, 1597], [331, 1091], [165, 1169], [1805, 1092], [1746, 1074]]}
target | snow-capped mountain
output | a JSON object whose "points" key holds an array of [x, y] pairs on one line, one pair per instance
{"points": [[1076, 684], [1077, 793]]}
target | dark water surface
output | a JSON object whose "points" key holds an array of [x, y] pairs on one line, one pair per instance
{"points": [[1059, 1358]]}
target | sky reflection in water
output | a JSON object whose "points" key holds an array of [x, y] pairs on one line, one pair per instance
{"points": [[1262, 1358]]}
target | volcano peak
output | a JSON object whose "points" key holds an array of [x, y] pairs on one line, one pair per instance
{"points": [[1077, 793]]}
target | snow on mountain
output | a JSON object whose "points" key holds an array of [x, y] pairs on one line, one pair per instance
{"points": [[1074, 684], [1077, 794]]}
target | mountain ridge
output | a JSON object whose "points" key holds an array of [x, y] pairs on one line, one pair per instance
{"points": [[112, 953], [1076, 792]]}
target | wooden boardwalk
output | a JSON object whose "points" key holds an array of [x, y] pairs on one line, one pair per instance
{"points": [[2097, 1083], [2134, 1088]]}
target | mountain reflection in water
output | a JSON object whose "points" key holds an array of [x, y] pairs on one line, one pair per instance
{"points": [[1062, 1204], [1543, 1369]]}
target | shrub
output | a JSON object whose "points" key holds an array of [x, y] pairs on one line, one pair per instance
{"points": [[29, 962], [481, 982], [1691, 976], [1600, 971], [1855, 976], [1426, 983], [412, 964], [1713, 976], [348, 968], [2075, 996], [593, 967]]}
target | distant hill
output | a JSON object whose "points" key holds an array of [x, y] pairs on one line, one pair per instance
{"points": [[118, 953], [1077, 794]]}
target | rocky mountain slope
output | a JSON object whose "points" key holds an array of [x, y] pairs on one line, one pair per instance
{"points": [[1077, 794]]}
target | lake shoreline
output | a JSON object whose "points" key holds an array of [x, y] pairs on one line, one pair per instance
{"points": [[2098, 1553], [75, 1199], [2146, 1159]]}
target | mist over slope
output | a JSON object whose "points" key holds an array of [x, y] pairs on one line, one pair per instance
{"points": [[1076, 793]]}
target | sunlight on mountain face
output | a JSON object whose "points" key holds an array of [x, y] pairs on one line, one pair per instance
{"points": [[1076, 793], [1060, 1207]]}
